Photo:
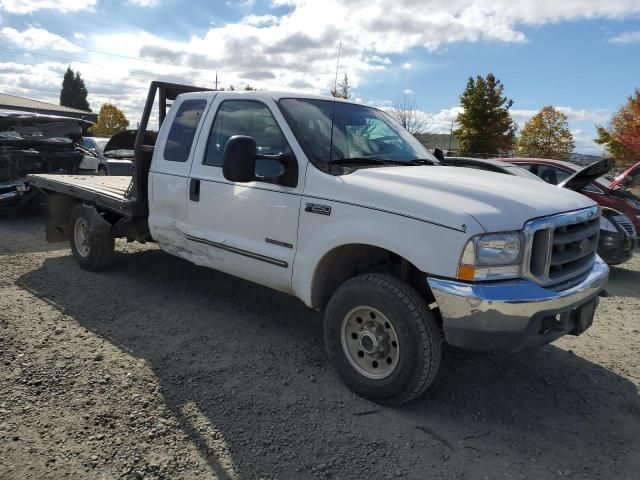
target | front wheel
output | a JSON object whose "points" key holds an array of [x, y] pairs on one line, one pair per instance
{"points": [[382, 339], [91, 252]]}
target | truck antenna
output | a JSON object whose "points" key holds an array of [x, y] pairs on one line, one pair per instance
{"points": [[335, 81]]}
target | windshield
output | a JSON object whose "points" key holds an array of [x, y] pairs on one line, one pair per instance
{"points": [[359, 133], [100, 143], [521, 172]]}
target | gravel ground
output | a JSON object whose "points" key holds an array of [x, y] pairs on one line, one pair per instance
{"points": [[158, 369]]}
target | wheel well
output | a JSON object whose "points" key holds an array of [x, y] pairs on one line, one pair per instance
{"points": [[348, 261]]}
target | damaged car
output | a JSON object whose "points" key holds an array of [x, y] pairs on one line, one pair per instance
{"points": [[116, 154], [35, 143]]}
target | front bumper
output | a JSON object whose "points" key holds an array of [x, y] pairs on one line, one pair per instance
{"points": [[10, 193], [513, 315]]}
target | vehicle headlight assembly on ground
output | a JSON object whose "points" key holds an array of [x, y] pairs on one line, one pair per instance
{"points": [[491, 256]]}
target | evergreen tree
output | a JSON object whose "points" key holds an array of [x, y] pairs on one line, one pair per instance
{"points": [[73, 92], [343, 90], [486, 127], [66, 93], [80, 94]]}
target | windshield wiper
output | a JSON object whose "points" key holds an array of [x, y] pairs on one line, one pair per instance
{"points": [[380, 161]]}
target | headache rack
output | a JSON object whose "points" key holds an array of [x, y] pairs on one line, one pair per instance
{"points": [[561, 249]]}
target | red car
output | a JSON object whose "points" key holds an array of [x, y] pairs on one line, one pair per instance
{"points": [[607, 194]]}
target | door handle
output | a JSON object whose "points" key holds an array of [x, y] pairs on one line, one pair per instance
{"points": [[194, 189]]}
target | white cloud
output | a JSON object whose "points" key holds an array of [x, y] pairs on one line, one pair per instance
{"points": [[294, 50], [300, 46], [626, 37], [407, 91], [37, 38], [79, 36], [144, 3], [584, 142], [30, 6]]}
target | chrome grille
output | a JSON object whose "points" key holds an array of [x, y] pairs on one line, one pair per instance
{"points": [[561, 247]]}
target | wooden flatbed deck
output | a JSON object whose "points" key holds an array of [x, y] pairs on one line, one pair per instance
{"points": [[106, 191]]}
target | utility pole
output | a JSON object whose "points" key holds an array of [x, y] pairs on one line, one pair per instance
{"points": [[450, 137], [216, 80]]}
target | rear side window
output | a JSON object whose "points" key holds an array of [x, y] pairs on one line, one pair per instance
{"points": [[183, 129]]}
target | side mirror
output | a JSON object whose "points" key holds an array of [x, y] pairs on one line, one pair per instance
{"points": [[239, 159]]}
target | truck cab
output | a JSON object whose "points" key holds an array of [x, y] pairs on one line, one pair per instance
{"points": [[335, 203]]}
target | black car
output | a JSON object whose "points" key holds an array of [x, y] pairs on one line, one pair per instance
{"points": [[35, 143], [617, 233]]}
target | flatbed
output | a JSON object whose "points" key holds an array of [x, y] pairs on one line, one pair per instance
{"points": [[110, 192]]}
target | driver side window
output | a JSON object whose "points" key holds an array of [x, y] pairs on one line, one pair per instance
{"points": [[251, 118]]}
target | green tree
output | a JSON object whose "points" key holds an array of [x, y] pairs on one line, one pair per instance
{"points": [[249, 88], [546, 135], [622, 138], [111, 120], [485, 124], [74, 92], [343, 90]]}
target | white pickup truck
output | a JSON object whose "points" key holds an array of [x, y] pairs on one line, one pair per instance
{"points": [[334, 203]]}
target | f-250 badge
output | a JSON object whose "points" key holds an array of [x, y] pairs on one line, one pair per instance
{"points": [[317, 208]]}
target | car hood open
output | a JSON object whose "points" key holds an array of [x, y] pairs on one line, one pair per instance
{"points": [[630, 177], [126, 140], [588, 174]]}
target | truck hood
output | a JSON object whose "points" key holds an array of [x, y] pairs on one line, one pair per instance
{"points": [[457, 197]]}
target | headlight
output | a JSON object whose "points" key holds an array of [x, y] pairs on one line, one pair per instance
{"points": [[492, 256], [607, 225], [498, 249]]}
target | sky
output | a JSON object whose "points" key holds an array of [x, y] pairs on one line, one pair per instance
{"points": [[581, 56]]}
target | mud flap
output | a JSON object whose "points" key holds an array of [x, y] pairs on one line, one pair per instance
{"points": [[98, 226], [58, 212]]}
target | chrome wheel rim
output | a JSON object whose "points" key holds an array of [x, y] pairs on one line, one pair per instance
{"points": [[80, 233], [370, 342]]}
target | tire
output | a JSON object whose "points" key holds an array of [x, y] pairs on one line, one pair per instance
{"points": [[380, 310], [94, 254], [102, 171]]}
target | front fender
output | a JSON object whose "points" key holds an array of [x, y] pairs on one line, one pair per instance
{"points": [[433, 249]]}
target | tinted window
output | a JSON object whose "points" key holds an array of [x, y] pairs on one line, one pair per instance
{"points": [[183, 129], [88, 143], [552, 175], [245, 117]]}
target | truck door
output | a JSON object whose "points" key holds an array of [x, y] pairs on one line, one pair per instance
{"points": [[246, 229], [169, 172]]}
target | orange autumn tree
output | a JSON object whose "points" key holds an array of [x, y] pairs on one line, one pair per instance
{"points": [[622, 137]]}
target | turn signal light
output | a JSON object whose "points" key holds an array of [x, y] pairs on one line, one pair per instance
{"points": [[466, 272]]}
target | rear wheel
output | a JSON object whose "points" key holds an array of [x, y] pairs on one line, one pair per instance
{"points": [[91, 252], [382, 339]]}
